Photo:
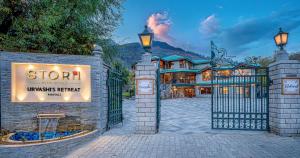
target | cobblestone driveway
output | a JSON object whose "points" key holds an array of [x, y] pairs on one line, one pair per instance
{"points": [[185, 132]]}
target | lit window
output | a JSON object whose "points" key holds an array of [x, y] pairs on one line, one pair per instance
{"points": [[205, 90], [225, 90], [224, 72], [206, 75]]}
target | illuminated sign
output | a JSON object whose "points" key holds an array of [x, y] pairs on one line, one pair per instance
{"points": [[290, 86], [36, 82], [145, 86]]}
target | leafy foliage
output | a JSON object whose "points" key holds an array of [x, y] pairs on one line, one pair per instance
{"points": [[263, 61], [294, 56], [64, 26]]}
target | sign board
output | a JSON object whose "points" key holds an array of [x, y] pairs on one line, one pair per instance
{"points": [[37, 82], [291, 86], [145, 86]]}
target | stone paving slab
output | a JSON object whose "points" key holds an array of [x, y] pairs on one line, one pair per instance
{"points": [[185, 133], [190, 146]]}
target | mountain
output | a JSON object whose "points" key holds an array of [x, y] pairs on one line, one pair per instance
{"points": [[131, 53]]}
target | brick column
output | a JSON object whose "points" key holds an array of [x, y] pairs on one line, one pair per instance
{"points": [[284, 109], [146, 103]]}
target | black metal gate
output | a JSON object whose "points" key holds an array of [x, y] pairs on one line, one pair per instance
{"points": [[158, 112], [114, 86], [239, 100]]}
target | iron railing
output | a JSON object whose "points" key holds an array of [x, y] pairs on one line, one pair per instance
{"points": [[158, 102], [240, 102], [114, 86]]}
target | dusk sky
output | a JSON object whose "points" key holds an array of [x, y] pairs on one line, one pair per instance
{"points": [[242, 27]]}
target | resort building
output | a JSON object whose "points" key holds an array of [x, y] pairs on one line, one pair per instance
{"points": [[184, 77]]}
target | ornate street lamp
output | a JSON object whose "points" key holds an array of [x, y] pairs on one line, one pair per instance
{"points": [[146, 39], [281, 39]]}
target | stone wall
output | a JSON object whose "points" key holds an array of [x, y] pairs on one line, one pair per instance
{"points": [[284, 110], [22, 116]]}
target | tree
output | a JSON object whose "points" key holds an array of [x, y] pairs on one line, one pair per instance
{"points": [[294, 56], [262, 61], [110, 51], [64, 26]]}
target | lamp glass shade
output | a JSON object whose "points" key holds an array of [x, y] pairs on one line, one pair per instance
{"points": [[146, 40], [278, 40], [281, 38], [284, 38]]}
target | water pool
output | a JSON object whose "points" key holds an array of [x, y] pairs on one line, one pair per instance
{"points": [[32, 136]]}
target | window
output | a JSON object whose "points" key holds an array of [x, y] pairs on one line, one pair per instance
{"points": [[225, 72], [243, 91], [243, 72], [205, 90], [206, 75], [182, 64], [161, 64], [171, 65], [224, 90]]}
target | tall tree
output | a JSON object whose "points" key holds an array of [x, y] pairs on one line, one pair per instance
{"points": [[64, 26]]}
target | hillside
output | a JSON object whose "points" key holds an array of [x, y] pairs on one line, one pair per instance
{"points": [[132, 52]]}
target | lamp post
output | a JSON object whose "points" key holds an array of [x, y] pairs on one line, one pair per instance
{"points": [[281, 39], [146, 39]]}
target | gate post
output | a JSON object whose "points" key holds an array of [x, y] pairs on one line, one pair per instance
{"points": [[145, 96], [284, 98]]}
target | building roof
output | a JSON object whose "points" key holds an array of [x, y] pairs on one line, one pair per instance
{"points": [[173, 58], [155, 58], [204, 61], [178, 57], [200, 61]]}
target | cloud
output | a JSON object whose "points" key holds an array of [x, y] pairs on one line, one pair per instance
{"points": [[250, 33], [209, 26], [160, 24]]}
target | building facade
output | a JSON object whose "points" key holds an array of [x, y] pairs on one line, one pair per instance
{"points": [[185, 77]]}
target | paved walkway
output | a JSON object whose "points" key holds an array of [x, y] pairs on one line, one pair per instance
{"points": [[185, 133]]}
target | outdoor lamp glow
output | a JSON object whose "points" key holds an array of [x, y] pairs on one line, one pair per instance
{"points": [[281, 39], [146, 39]]}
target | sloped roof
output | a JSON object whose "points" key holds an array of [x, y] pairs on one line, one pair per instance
{"points": [[155, 58], [178, 57], [200, 61], [173, 58]]}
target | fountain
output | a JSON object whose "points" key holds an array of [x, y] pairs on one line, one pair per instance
{"points": [[49, 121], [47, 130]]}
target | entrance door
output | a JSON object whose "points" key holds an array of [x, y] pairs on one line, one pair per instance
{"points": [[240, 101]]}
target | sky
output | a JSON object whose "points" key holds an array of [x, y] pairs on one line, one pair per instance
{"points": [[242, 27]]}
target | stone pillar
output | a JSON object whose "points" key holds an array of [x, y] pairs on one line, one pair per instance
{"points": [[281, 55], [146, 107], [284, 109]]}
